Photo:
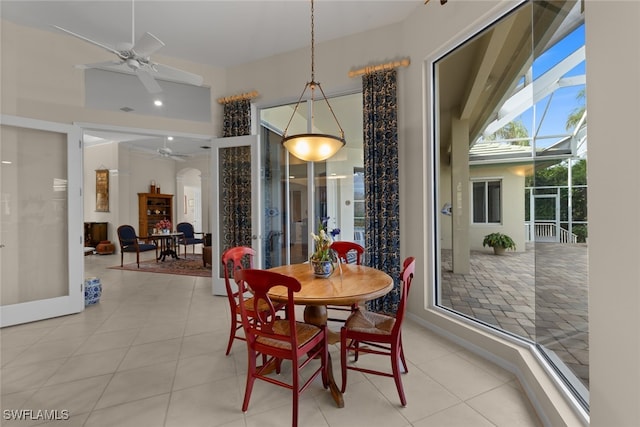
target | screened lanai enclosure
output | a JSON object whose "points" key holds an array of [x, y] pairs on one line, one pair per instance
{"points": [[511, 157]]}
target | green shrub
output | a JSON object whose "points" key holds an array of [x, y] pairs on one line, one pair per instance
{"points": [[499, 240]]}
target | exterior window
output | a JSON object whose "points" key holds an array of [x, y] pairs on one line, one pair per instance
{"points": [[486, 201]]}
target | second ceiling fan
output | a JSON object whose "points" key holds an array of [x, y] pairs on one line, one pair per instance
{"points": [[135, 57]]}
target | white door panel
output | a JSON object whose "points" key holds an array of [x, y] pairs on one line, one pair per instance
{"points": [[41, 226]]}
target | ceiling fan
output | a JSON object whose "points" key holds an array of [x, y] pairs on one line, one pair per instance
{"points": [[168, 153], [135, 58]]}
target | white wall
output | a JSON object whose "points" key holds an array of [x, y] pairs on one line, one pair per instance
{"points": [[613, 102], [613, 96]]}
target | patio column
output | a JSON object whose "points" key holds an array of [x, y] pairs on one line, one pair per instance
{"points": [[460, 195]]}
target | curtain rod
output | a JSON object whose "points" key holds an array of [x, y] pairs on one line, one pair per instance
{"points": [[248, 95], [387, 66]]}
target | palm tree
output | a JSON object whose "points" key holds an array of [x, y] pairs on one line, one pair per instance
{"points": [[575, 116], [514, 131]]}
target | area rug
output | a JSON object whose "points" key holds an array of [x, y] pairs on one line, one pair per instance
{"points": [[189, 266]]}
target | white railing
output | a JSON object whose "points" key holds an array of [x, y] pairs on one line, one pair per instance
{"points": [[548, 232]]}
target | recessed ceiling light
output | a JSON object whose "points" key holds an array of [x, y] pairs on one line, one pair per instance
{"points": [[6, 162], [170, 138], [157, 103]]}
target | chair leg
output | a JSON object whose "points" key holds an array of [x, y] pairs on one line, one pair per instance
{"points": [[404, 362], [395, 366], [232, 334], [296, 392], [250, 380], [121, 257], [138, 258]]}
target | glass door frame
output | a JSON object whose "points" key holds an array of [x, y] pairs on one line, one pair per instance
{"points": [[73, 301], [252, 141]]}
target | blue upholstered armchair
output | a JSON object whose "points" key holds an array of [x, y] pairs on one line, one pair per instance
{"points": [[130, 242], [188, 237]]}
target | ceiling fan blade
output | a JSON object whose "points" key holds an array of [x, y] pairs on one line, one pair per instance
{"points": [[110, 65], [147, 45], [148, 81], [104, 46], [179, 159], [170, 73]]}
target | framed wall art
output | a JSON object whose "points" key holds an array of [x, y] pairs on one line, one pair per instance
{"points": [[102, 190]]}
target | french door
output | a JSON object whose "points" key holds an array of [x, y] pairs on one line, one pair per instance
{"points": [[41, 228], [236, 205]]}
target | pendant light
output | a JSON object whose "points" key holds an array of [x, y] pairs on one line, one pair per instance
{"points": [[313, 147]]}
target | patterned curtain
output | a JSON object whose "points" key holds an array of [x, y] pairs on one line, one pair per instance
{"points": [[382, 207], [236, 118], [235, 177]]}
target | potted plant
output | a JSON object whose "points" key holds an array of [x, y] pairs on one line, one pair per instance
{"points": [[323, 257], [499, 242]]}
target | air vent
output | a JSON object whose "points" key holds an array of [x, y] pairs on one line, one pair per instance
{"points": [[205, 147], [126, 109]]}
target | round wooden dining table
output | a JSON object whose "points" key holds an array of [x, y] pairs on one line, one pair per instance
{"points": [[349, 284]]}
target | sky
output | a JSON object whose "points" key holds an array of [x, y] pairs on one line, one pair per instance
{"points": [[564, 100]]}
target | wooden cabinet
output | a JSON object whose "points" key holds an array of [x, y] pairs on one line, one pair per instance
{"points": [[151, 209], [94, 233]]}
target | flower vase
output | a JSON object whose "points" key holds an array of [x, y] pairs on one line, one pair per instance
{"points": [[165, 231], [322, 269]]}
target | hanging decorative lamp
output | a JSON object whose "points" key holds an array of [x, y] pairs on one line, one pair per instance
{"points": [[313, 147]]}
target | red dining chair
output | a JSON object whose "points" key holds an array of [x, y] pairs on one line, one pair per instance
{"points": [[346, 252], [377, 333], [234, 259], [277, 339]]}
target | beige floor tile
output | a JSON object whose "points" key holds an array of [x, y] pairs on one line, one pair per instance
{"points": [[503, 407], [424, 395], [77, 397], [28, 377], [134, 384], [212, 404], [146, 412], [49, 350], [460, 377], [151, 353], [202, 369], [159, 332], [107, 341], [459, 415], [204, 343], [88, 365]]}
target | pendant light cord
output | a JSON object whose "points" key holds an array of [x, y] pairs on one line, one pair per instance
{"points": [[313, 73], [312, 86]]}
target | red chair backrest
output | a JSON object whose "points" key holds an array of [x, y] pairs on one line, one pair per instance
{"points": [[343, 248], [261, 325], [234, 259], [406, 277]]}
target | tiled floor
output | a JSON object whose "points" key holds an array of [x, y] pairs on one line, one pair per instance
{"points": [[151, 353]]}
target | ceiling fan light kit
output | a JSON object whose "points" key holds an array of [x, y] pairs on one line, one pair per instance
{"points": [[313, 147]]}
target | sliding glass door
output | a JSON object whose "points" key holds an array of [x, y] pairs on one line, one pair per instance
{"points": [[296, 195]]}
